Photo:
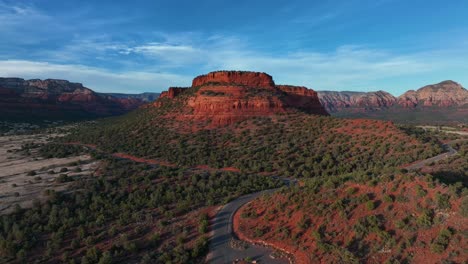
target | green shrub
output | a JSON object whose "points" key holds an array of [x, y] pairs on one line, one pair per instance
{"points": [[464, 207], [441, 242], [443, 201], [370, 205], [424, 220], [387, 198]]}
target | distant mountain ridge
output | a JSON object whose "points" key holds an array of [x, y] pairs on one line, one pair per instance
{"points": [[446, 101], [53, 98], [338, 101], [443, 94]]}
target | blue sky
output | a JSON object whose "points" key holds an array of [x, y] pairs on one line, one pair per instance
{"points": [[137, 46]]}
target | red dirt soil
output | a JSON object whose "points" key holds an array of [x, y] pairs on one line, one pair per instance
{"points": [[143, 160], [305, 248]]}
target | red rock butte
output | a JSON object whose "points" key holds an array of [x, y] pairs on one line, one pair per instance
{"points": [[250, 79], [225, 97]]}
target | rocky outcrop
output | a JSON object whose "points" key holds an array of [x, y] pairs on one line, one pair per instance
{"points": [[444, 94], [226, 97], [240, 78], [358, 101], [225, 105], [302, 98], [53, 98], [172, 92]]}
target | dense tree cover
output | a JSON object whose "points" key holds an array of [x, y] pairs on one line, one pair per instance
{"points": [[292, 145], [129, 212], [453, 169], [134, 212]]}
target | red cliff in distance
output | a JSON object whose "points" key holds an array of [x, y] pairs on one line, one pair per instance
{"points": [[226, 97], [172, 92], [443, 94], [356, 101], [52, 98]]}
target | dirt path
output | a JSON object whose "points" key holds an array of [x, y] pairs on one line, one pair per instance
{"points": [[158, 162]]}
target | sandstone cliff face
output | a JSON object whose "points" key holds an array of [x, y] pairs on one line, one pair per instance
{"points": [[51, 97], [227, 97], [226, 104], [359, 101], [249, 79], [303, 98], [172, 92], [444, 94]]}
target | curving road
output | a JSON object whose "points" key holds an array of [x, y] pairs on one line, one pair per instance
{"points": [[418, 165], [221, 251]]}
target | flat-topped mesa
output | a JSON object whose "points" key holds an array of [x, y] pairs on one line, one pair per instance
{"points": [[172, 92], [226, 97], [302, 98], [243, 78], [335, 101]]}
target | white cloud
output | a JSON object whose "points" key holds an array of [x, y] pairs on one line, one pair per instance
{"points": [[171, 55], [21, 17], [347, 67], [95, 78]]}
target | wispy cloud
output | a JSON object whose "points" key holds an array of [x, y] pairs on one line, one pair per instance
{"points": [[346, 67], [20, 19], [160, 59]]}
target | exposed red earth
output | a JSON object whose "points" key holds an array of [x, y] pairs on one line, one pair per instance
{"points": [[261, 220], [153, 161]]}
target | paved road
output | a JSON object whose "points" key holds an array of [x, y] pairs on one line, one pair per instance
{"points": [[221, 251], [418, 165], [463, 133]]}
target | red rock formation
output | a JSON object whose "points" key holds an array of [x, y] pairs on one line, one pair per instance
{"points": [[358, 101], [58, 98], [227, 97], [303, 98], [444, 94], [249, 79], [228, 104], [172, 92]]}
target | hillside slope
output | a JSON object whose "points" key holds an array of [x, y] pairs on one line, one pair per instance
{"points": [[268, 129], [57, 99], [386, 219]]}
